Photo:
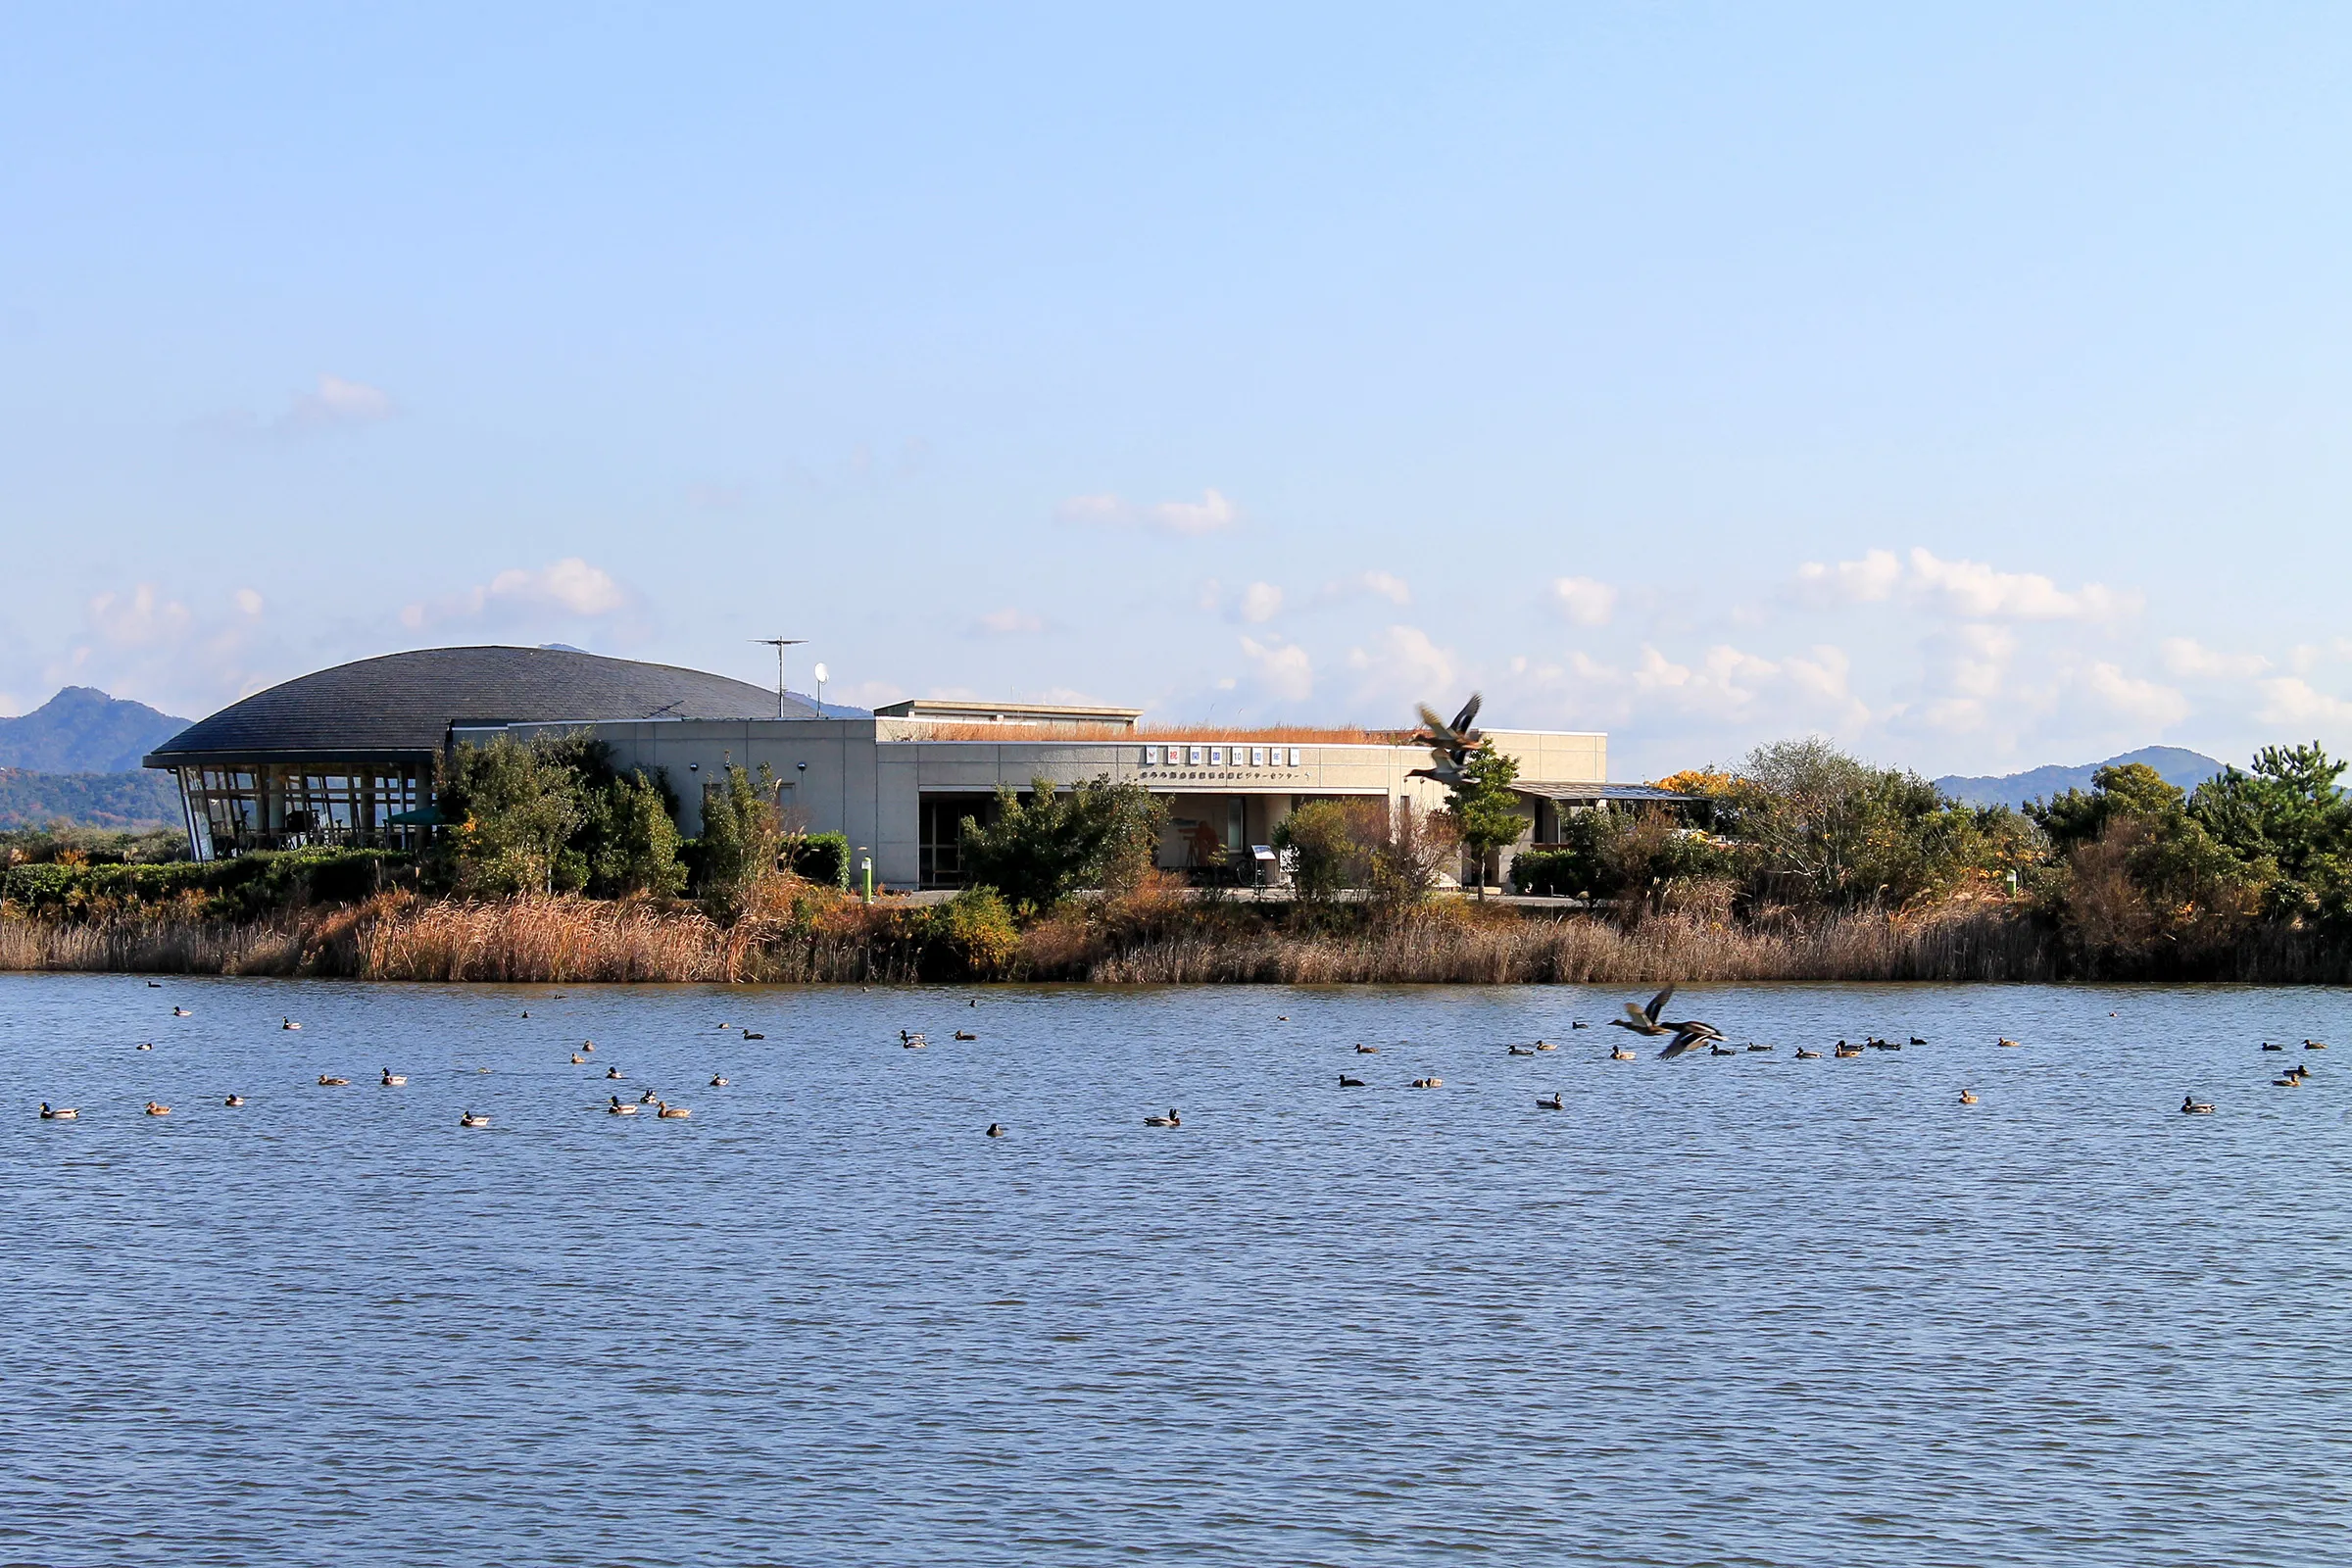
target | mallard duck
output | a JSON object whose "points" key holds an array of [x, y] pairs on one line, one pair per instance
{"points": [[1968, 1096], [2267, 1046], [1720, 1050], [617, 1109], [587, 1046], [2191, 1105], [181, 1012], [156, 1107], [578, 1060], [1346, 1082], [1802, 1055], [2290, 1081], [1553, 1103], [1546, 1044], [144, 1045], [995, 1131], [2003, 1040], [287, 1023], [965, 1034], [647, 1098], [51, 1112], [155, 985], [2315, 1044], [330, 1081], [753, 1034], [919, 1042], [1915, 1040], [1367, 1051], [1579, 1023], [1171, 1120], [718, 1083], [666, 1111], [613, 1072], [1521, 1051], [1845, 1051], [469, 1119], [1620, 1054], [1428, 1082], [394, 1080], [1754, 1046], [234, 1101]]}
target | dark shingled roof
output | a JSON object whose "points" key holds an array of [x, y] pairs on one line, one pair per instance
{"points": [[400, 706], [1587, 794]]}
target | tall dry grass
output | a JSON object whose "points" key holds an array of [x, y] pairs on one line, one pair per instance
{"points": [[1145, 938], [1975, 945]]}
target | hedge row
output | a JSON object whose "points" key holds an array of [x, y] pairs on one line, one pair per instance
{"points": [[248, 884]]}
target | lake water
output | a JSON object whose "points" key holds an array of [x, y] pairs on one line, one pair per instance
{"points": [[1747, 1310]]}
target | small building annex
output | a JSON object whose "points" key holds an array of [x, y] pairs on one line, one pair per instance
{"points": [[349, 756]]}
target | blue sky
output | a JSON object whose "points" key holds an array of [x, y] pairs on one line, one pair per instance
{"points": [[1969, 383]]}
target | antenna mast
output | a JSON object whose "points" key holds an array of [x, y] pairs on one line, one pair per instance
{"points": [[779, 644]]}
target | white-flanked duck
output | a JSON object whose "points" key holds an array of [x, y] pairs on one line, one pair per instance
{"points": [[51, 1112], [1171, 1120]]}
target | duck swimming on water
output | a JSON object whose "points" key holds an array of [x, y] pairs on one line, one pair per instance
{"points": [[58, 1112], [1968, 1096], [1553, 1103], [2191, 1105], [1346, 1082], [469, 1119], [1171, 1120]]}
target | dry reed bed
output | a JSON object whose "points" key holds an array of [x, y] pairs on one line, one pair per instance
{"points": [[397, 936], [1978, 946]]}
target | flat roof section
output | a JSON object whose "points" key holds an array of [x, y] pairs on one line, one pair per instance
{"points": [[957, 711]]}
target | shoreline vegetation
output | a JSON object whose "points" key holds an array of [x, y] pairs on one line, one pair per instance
{"points": [[1802, 864]]}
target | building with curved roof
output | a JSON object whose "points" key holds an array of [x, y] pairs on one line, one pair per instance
{"points": [[351, 756], [344, 755]]}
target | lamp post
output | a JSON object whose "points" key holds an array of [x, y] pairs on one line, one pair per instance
{"points": [[865, 865]]}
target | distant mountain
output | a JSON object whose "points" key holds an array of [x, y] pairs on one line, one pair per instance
{"points": [[82, 730], [2187, 768], [145, 799]]}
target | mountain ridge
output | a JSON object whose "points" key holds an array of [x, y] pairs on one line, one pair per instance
{"points": [[2174, 764], [83, 730]]}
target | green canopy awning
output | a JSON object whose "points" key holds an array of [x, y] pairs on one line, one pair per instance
{"points": [[422, 817]]}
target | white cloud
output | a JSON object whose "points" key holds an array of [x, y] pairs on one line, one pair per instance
{"points": [[335, 401], [1213, 512], [1849, 582], [2131, 697], [1377, 584], [1584, 601], [2191, 659], [248, 600], [1972, 589], [1405, 667], [1260, 602], [141, 618], [1102, 509], [2291, 699], [1969, 589], [570, 585], [1009, 623], [1283, 669], [567, 587]]}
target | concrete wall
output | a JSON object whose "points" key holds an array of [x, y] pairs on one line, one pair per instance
{"points": [[864, 777]]}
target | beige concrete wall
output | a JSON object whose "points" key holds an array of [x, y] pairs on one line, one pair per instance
{"points": [[864, 777]]}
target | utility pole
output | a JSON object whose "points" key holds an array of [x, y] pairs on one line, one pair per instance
{"points": [[779, 644]]}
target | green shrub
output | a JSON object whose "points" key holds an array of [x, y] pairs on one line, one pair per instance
{"points": [[1559, 873], [237, 889], [824, 858], [976, 929]]}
